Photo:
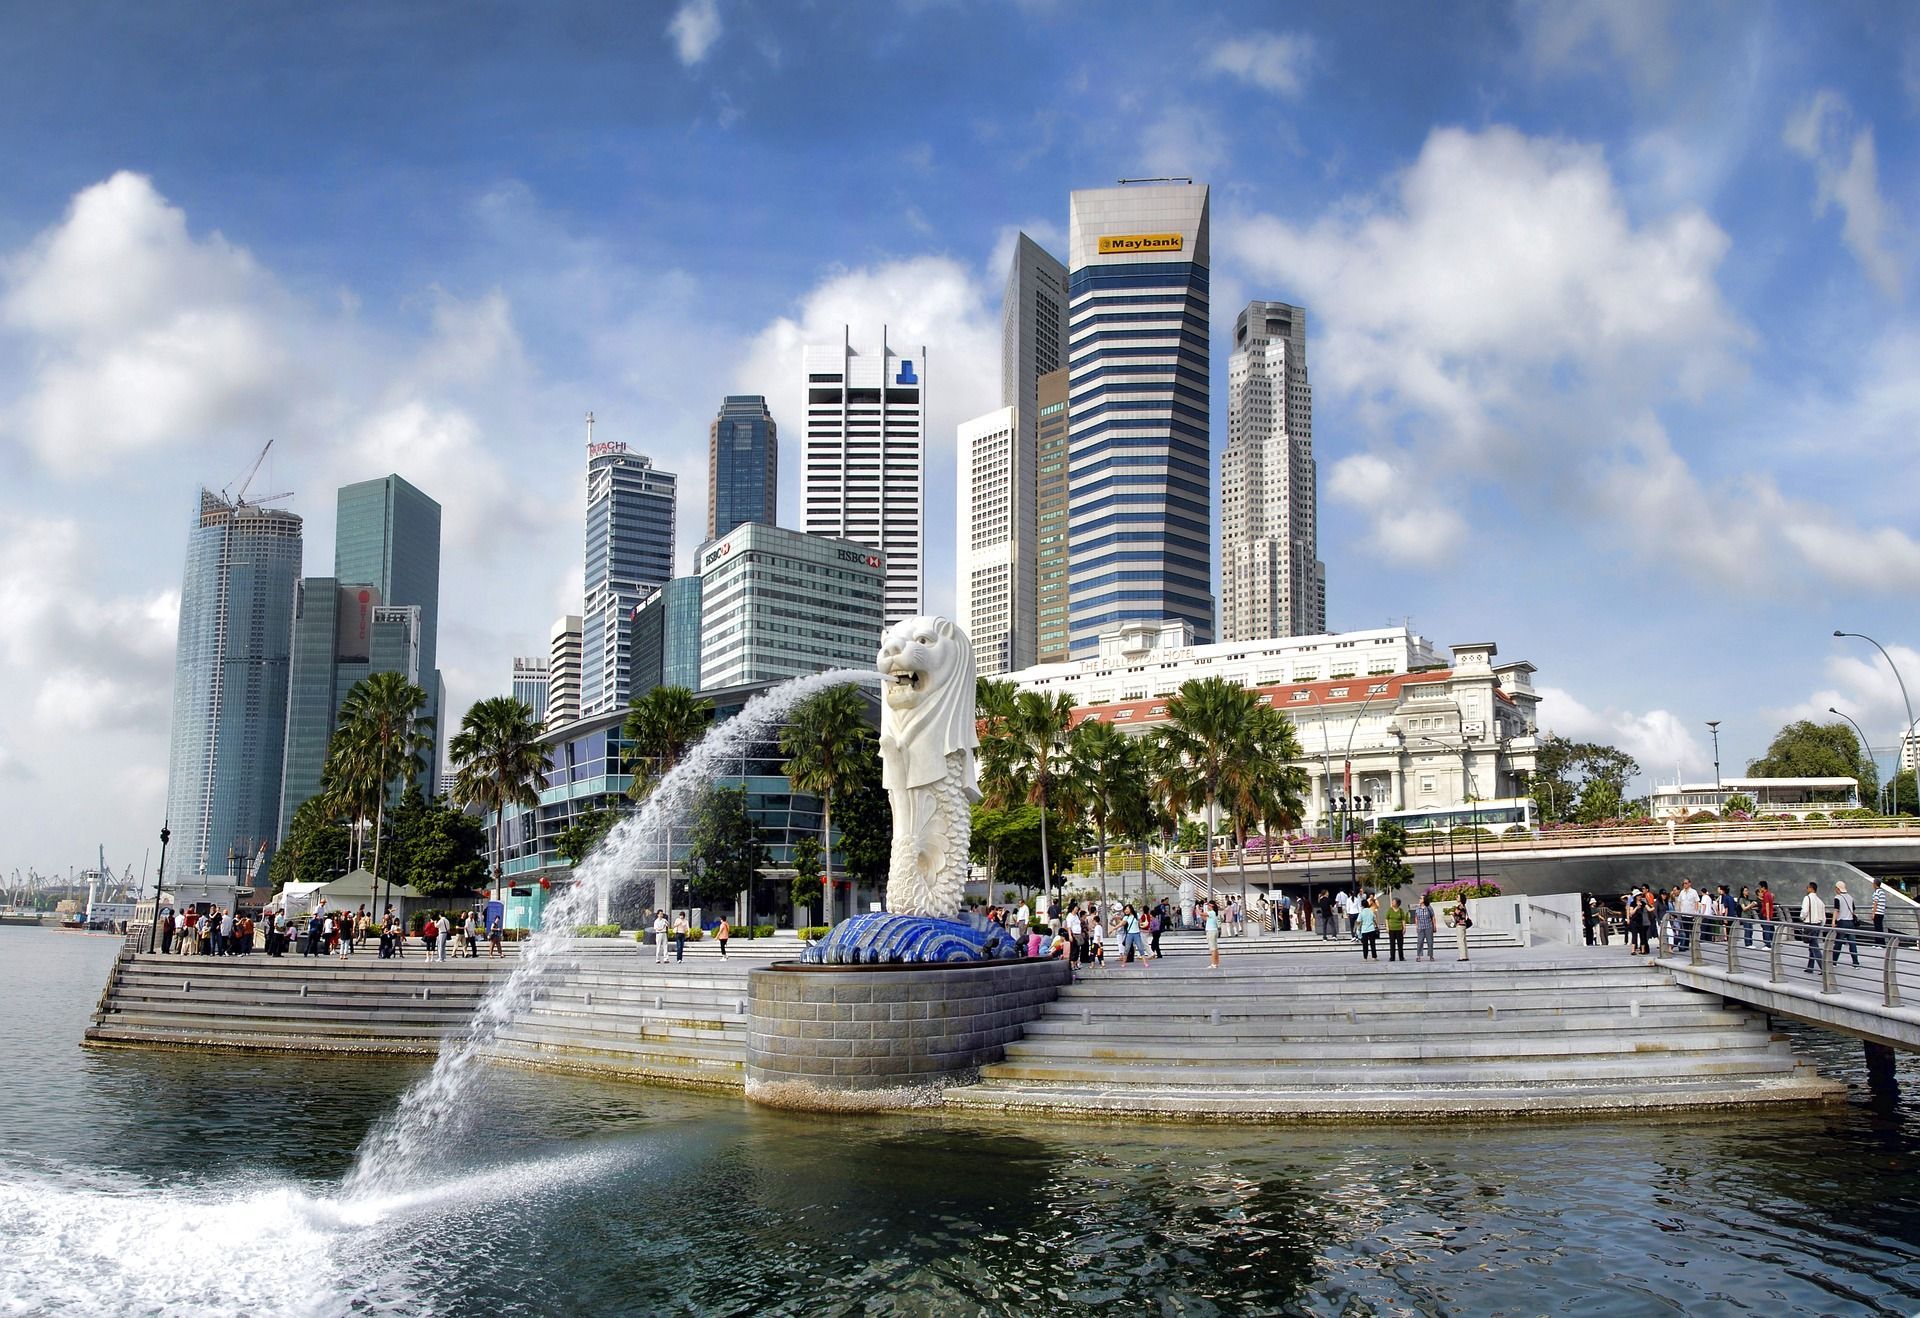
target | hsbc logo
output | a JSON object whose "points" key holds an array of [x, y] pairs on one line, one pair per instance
{"points": [[715, 555], [852, 556]]}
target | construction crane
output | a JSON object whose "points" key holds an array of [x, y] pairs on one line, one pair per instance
{"points": [[239, 497]]}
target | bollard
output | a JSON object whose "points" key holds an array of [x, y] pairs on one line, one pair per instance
{"points": [[303, 990], [1633, 1009], [740, 1007], [1890, 974], [589, 997], [1733, 957], [1824, 944], [1086, 1015], [1214, 1016], [659, 1002], [1774, 949], [1693, 944], [186, 986]]}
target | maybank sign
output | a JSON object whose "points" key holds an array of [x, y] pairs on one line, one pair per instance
{"points": [[1123, 244]]}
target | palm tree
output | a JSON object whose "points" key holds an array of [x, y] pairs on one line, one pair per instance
{"points": [[993, 711], [348, 787], [1106, 764], [381, 719], [825, 740], [1261, 784], [497, 755], [660, 728], [1036, 733], [1201, 737]]}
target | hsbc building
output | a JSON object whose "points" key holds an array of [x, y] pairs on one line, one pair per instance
{"points": [[776, 604]]}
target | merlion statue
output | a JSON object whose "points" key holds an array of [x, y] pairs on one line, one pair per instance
{"points": [[927, 740]]}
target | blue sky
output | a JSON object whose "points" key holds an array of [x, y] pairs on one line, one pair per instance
{"points": [[1613, 338]]}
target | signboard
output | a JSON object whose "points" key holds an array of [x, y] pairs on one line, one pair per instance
{"points": [[353, 626], [854, 556], [715, 555], [906, 375], [1123, 244], [605, 447]]}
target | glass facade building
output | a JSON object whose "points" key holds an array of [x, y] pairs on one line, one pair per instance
{"points": [[341, 634], [231, 664], [1050, 553], [530, 679], [743, 465], [666, 638], [387, 535], [1141, 512], [629, 555], [776, 604]]}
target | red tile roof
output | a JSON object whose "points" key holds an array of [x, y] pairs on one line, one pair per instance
{"points": [[1319, 694]]}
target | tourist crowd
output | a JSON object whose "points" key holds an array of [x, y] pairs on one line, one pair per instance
{"points": [[1754, 913], [323, 932]]}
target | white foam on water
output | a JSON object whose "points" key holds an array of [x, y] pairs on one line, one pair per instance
{"points": [[77, 1241], [444, 1103]]}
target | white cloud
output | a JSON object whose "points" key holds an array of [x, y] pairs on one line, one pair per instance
{"points": [[1275, 61], [695, 28], [1847, 175], [1409, 525], [933, 301], [1560, 36], [1861, 685], [1499, 318], [1183, 142], [1664, 743], [142, 335]]}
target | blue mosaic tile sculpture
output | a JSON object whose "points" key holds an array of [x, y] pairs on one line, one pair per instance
{"points": [[882, 938]]}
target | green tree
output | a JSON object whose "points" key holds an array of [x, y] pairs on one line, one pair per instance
{"points": [[1010, 832], [866, 822], [437, 849], [1740, 801], [1190, 837], [1805, 749], [1107, 765], [1564, 770], [1036, 731], [1599, 800], [1261, 785], [806, 877], [497, 758], [660, 728], [577, 840], [317, 848], [825, 741], [1906, 800], [999, 760], [1202, 737], [725, 851], [1386, 850], [381, 720]]}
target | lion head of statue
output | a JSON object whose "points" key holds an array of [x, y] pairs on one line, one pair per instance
{"points": [[927, 678]]}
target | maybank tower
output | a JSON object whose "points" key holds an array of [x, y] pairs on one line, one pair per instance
{"points": [[1140, 515]]}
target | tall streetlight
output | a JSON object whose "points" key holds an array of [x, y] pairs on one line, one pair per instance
{"points": [[1865, 749], [159, 877], [1713, 726], [1903, 691], [1466, 774]]}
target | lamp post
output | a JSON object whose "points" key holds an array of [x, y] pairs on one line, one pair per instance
{"points": [[159, 877], [1865, 749], [1466, 774], [1713, 726], [1903, 692]]}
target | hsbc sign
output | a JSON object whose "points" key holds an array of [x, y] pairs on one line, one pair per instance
{"points": [[715, 555], [854, 556]]}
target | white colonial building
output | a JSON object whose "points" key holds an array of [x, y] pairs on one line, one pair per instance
{"points": [[1404, 722]]}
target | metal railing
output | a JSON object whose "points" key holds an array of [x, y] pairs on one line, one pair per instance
{"points": [[1748, 945]]}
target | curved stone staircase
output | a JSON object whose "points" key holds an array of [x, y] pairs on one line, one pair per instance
{"points": [[1269, 1037]]}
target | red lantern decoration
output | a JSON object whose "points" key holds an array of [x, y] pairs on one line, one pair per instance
{"points": [[546, 883]]}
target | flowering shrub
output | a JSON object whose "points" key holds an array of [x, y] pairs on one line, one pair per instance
{"points": [[1462, 890]]}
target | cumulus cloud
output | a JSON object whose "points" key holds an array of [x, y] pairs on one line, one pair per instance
{"points": [[695, 28], [1500, 318], [1410, 526], [144, 335], [1861, 685], [1847, 175], [1664, 743], [1274, 61]]}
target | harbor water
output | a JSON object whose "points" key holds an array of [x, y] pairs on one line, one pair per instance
{"points": [[178, 1183]]}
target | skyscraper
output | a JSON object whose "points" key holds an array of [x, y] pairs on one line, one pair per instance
{"points": [[630, 518], [387, 535], [1033, 323], [530, 683], [1050, 519], [666, 638], [1271, 580], [563, 671], [777, 604], [230, 671], [743, 465], [342, 632], [994, 541], [866, 456], [1140, 520]]}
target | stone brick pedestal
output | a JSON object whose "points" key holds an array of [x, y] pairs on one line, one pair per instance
{"points": [[867, 1038]]}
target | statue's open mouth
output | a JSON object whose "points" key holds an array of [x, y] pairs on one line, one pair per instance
{"points": [[905, 677]]}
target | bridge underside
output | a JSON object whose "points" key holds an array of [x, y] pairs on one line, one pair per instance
{"points": [[1891, 1027]]}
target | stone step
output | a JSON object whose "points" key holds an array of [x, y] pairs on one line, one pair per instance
{"points": [[198, 1037], [1256, 1006], [1116, 988], [643, 1026], [277, 996], [1377, 1024], [688, 1053], [1362, 1048], [1399, 1075], [398, 1013], [646, 1067], [237, 1027], [1802, 1085]]}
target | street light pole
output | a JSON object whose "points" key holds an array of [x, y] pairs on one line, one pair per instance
{"points": [[1903, 690], [159, 877], [1865, 749], [1713, 726]]}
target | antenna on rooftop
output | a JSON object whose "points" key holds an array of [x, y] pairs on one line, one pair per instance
{"points": [[589, 427], [1171, 178]]}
